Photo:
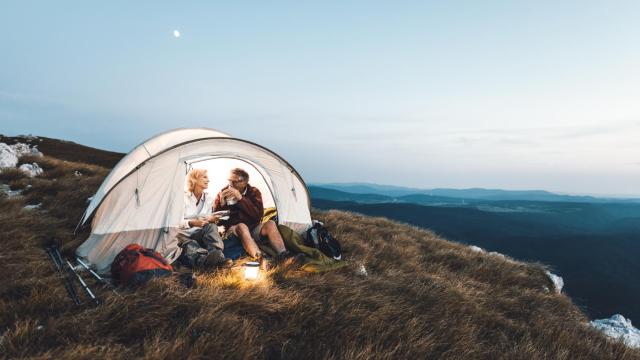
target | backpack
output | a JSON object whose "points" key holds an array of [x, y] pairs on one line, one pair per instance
{"points": [[135, 265], [319, 237]]}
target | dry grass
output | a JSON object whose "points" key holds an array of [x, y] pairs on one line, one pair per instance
{"points": [[424, 297]]}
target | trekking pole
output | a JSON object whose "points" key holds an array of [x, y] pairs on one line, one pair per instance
{"points": [[98, 278], [71, 273], [68, 285], [84, 284]]}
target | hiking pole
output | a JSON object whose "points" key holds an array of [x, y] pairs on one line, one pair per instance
{"points": [[71, 273], [84, 284], [68, 280], [98, 278], [68, 285]]}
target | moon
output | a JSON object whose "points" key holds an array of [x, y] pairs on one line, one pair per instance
{"points": [[176, 33]]}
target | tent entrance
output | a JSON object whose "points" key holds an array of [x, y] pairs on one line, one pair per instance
{"points": [[218, 169]]}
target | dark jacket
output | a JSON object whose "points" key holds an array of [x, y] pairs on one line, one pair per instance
{"points": [[248, 210]]}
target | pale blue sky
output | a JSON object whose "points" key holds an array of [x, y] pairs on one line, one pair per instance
{"points": [[503, 94]]}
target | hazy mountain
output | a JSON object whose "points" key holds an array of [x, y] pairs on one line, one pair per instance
{"points": [[468, 194], [337, 195], [367, 198], [368, 188]]}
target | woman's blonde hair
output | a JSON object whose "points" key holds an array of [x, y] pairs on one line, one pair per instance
{"points": [[193, 176]]}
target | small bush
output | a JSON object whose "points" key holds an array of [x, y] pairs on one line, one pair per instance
{"points": [[11, 174]]}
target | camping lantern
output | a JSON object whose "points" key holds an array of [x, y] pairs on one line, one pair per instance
{"points": [[251, 270]]}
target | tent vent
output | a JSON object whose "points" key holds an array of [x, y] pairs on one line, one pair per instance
{"points": [[293, 187]]}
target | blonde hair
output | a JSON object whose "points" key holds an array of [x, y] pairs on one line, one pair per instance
{"points": [[193, 176]]}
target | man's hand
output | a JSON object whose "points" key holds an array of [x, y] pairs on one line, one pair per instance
{"points": [[231, 193], [198, 222]]}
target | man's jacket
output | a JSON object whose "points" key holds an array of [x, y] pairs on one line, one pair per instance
{"points": [[248, 210]]}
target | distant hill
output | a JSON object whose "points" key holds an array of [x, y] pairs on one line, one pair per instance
{"points": [[467, 194], [369, 198], [367, 188], [337, 195], [406, 293]]}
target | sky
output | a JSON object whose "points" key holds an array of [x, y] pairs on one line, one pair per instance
{"points": [[458, 94]]}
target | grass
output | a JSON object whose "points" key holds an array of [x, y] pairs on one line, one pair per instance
{"points": [[424, 297]]}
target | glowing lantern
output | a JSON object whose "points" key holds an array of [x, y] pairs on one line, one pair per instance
{"points": [[251, 270]]}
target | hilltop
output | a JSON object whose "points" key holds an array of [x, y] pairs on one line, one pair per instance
{"points": [[422, 296], [67, 150]]}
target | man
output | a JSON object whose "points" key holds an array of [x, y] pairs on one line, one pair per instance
{"points": [[199, 238], [245, 205]]}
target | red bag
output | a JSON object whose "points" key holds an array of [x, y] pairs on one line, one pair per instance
{"points": [[135, 265]]}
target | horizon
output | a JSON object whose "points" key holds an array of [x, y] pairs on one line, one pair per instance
{"points": [[614, 196], [426, 95], [312, 183], [597, 195]]}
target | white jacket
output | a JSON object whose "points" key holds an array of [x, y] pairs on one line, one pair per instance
{"points": [[194, 210]]}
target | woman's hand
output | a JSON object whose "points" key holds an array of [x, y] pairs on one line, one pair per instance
{"points": [[198, 222], [213, 219]]}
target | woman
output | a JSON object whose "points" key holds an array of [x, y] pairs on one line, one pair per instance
{"points": [[199, 238]]}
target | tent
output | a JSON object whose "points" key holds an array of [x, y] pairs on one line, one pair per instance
{"points": [[141, 200]]}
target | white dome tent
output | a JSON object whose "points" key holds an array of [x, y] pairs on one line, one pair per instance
{"points": [[141, 200]]}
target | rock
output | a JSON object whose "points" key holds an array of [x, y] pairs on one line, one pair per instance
{"points": [[558, 282], [7, 190], [32, 207], [476, 249], [9, 154], [8, 157], [617, 327], [21, 149], [31, 169], [362, 271]]}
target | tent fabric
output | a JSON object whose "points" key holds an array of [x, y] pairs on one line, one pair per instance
{"points": [[142, 153], [141, 200]]}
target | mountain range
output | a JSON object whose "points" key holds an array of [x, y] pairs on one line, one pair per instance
{"points": [[447, 195]]}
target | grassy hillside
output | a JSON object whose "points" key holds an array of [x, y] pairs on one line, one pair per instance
{"points": [[593, 246], [423, 297]]}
